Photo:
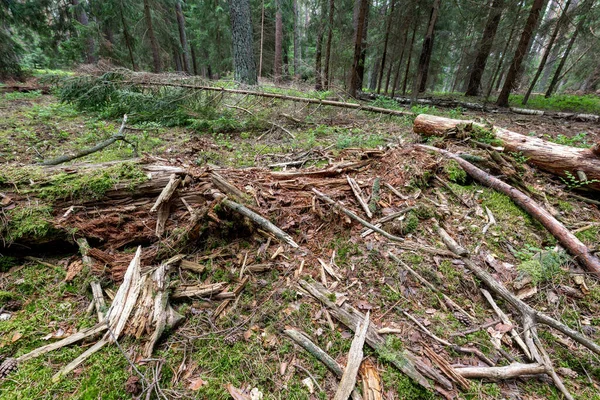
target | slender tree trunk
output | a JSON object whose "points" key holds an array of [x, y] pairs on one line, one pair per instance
{"points": [[385, 45], [557, 28], [410, 53], [182, 36], [243, 49], [278, 42], [461, 61], [319, 49], [82, 18], [127, 37], [152, 37], [522, 47], [194, 63], [355, 77], [397, 73], [485, 45], [297, 49], [262, 36], [177, 59], [503, 56], [326, 79], [363, 52], [423, 67], [388, 76]]}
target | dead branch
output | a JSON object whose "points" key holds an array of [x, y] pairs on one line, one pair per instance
{"points": [[88, 151], [499, 373], [557, 229], [355, 356], [358, 194]]}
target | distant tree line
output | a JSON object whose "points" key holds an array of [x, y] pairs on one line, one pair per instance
{"points": [[394, 47]]}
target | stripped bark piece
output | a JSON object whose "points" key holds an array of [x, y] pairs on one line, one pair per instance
{"points": [[198, 290], [371, 381], [167, 192], [98, 300], [447, 368], [355, 356]]}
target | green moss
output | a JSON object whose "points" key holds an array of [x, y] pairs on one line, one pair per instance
{"points": [[541, 265], [27, 222], [589, 236], [455, 172]]}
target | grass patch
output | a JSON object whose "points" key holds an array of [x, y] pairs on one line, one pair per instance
{"points": [[562, 102]]}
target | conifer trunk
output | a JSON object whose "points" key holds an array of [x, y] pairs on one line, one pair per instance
{"points": [[361, 9], [485, 45], [278, 42], [385, 46], [243, 49], [152, 37], [182, 36], [297, 49], [515, 67], [423, 67], [326, 79], [410, 53]]}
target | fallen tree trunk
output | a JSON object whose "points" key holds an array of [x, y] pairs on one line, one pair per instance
{"points": [[564, 161], [557, 229]]}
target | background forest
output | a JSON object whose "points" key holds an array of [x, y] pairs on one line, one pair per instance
{"points": [[542, 46]]}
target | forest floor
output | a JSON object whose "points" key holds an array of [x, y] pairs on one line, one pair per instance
{"points": [[42, 299]]}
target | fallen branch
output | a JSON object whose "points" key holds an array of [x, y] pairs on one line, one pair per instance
{"points": [[88, 151], [355, 217], [498, 373], [259, 220], [557, 229], [355, 356], [357, 193], [351, 317]]}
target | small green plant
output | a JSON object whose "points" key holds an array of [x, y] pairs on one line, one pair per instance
{"points": [[579, 140], [455, 172], [572, 182], [518, 157], [542, 265]]}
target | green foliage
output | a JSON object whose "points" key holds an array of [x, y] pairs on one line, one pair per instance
{"points": [[351, 139], [386, 102], [518, 157], [579, 140], [34, 94], [573, 182], [562, 102], [455, 172], [484, 135], [542, 265]]}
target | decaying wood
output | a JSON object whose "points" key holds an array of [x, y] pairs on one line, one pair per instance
{"points": [[321, 173], [569, 241], [499, 373], [355, 217], [355, 356], [387, 218], [182, 291], [447, 368], [192, 266], [371, 381], [98, 147], [358, 194], [99, 302], [551, 157], [167, 192], [226, 186], [257, 219], [351, 317]]}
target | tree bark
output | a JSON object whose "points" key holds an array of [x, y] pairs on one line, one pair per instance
{"points": [[385, 46], [355, 84], [423, 67], [326, 79], [194, 63], [82, 18], [547, 156], [559, 24], [410, 53], [319, 49], [182, 36], [399, 66], [485, 45], [278, 42], [152, 37], [127, 37], [243, 49], [262, 37], [297, 49], [515, 67]]}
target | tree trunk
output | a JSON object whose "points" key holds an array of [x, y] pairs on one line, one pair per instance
{"points": [[297, 49], [559, 24], [243, 49], [152, 37], [278, 42], [423, 67], [128, 38], [355, 84], [561, 65], [385, 45], [262, 36], [563, 161], [83, 19], [182, 36], [515, 67], [485, 45], [326, 79], [319, 50], [177, 60], [363, 52], [397, 73], [194, 63], [502, 56], [410, 53]]}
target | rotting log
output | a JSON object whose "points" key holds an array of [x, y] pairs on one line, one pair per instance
{"points": [[557, 159], [573, 245]]}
